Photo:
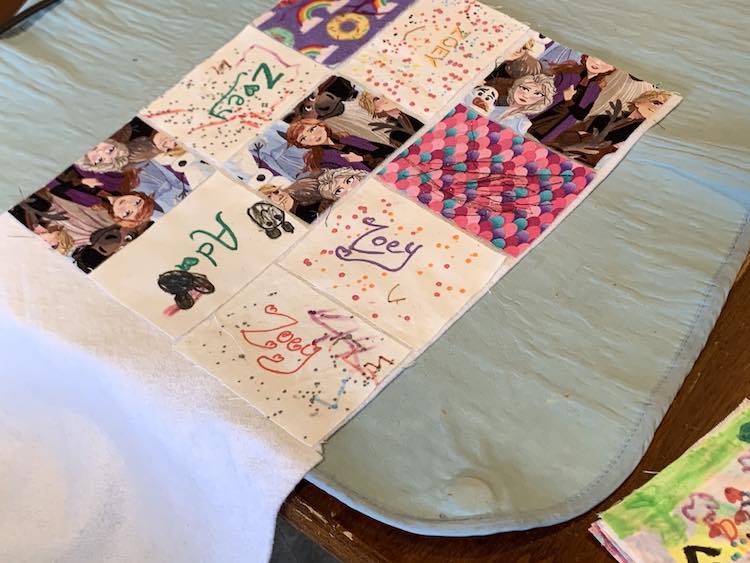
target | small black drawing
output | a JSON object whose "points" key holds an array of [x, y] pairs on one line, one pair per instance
{"points": [[269, 218], [182, 285]]}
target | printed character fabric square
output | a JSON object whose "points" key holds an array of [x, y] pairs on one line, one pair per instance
{"points": [[433, 50], [488, 179], [224, 101], [573, 102], [322, 149], [199, 256], [328, 31], [397, 265], [112, 194], [304, 361]]}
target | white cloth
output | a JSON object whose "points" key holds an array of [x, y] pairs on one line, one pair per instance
{"points": [[126, 452]]}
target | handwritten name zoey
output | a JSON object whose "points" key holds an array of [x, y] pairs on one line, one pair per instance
{"points": [[377, 249], [446, 45]]}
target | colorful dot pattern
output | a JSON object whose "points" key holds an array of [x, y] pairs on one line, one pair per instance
{"points": [[432, 50], [231, 79], [409, 298], [329, 385], [488, 180]]}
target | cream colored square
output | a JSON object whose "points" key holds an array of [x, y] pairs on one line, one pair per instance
{"points": [[225, 101], [212, 234], [433, 50], [400, 266], [304, 361]]}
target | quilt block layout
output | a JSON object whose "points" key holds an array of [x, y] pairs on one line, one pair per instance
{"points": [[227, 99], [300, 358], [394, 263], [303, 235], [432, 50], [112, 194], [199, 256], [573, 102], [332, 139]]}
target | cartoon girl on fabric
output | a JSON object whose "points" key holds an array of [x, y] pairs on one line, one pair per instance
{"points": [[577, 85], [527, 95], [598, 136], [520, 63], [329, 149], [308, 197], [126, 209]]}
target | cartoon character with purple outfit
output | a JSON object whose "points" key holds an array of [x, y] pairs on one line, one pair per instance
{"points": [[577, 85], [328, 149]]}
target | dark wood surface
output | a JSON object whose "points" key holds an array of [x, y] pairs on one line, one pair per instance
{"points": [[718, 382], [8, 8]]}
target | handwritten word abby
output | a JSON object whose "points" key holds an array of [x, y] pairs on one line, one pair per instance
{"points": [[280, 339], [225, 238], [242, 89], [445, 46], [376, 249]]}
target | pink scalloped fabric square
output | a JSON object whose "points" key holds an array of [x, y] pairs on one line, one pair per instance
{"points": [[488, 180]]}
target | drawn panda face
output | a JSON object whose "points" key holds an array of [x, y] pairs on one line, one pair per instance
{"points": [[269, 218]]}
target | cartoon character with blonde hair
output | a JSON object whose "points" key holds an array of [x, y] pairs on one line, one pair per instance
{"points": [[528, 95], [598, 136]]}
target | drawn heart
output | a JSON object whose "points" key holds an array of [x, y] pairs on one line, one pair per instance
{"points": [[733, 495], [714, 531], [251, 89]]}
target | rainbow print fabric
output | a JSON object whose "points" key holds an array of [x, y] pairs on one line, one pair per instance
{"points": [[328, 31]]}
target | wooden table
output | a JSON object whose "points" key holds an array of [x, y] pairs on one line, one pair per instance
{"points": [[8, 8], [716, 385]]}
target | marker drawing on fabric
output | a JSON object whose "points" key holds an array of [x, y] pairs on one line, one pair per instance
{"points": [[696, 509], [488, 179], [377, 249], [198, 256], [226, 100], [432, 51], [394, 263], [296, 356]]}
